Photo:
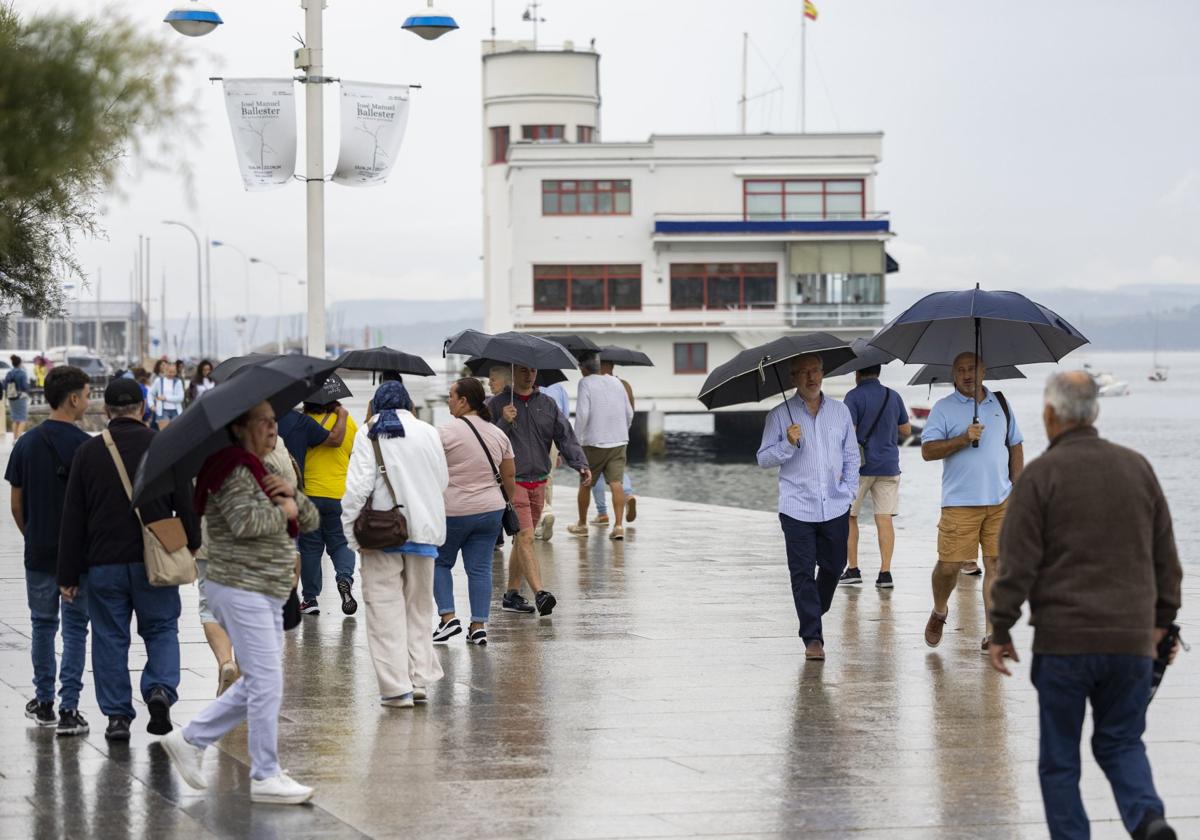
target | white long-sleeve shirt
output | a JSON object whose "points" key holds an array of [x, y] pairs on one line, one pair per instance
{"points": [[172, 393], [602, 412]]}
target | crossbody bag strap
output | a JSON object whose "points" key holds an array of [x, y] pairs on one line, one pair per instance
{"points": [[382, 469], [886, 399], [1007, 415], [116, 456], [488, 455]]}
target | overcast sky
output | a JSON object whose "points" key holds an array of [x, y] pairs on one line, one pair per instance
{"points": [[1025, 143]]}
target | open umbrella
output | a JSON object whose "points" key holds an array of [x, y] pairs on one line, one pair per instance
{"points": [[624, 356], [182, 448], [332, 390], [754, 374], [1002, 328], [545, 376], [578, 345], [943, 375], [385, 358], [511, 348], [865, 356], [233, 364]]}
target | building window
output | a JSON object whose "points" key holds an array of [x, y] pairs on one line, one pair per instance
{"points": [[691, 358], [839, 288], [796, 200], [544, 133], [585, 134], [499, 143], [723, 285], [587, 287], [586, 198]]}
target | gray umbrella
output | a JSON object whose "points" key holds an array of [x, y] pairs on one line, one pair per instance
{"points": [[866, 355], [944, 375], [624, 356]]}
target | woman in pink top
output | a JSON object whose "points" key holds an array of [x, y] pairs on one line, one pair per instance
{"points": [[474, 507]]}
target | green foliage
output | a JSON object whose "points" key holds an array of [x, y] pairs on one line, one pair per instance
{"points": [[79, 99]]}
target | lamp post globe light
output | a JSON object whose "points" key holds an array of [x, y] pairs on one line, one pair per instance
{"points": [[194, 19]]}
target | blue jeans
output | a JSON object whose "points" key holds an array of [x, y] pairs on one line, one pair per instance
{"points": [[329, 537], [117, 593], [475, 535], [816, 555], [45, 604], [1119, 690], [600, 498]]}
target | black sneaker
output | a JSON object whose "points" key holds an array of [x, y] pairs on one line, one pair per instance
{"points": [[477, 637], [159, 706], [43, 713], [70, 722], [118, 729], [349, 605], [545, 603], [1154, 827], [446, 631], [884, 581], [310, 607], [513, 602], [850, 577]]}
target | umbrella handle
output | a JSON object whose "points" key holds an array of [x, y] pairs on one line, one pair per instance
{"points": [[974, 443], [975, 419], [782, 392]]}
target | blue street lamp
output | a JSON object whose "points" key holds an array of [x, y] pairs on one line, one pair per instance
{"points": [[193, 19], [430, 23]]}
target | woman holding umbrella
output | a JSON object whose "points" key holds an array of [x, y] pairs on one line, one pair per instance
{"points": [[253, 518]]}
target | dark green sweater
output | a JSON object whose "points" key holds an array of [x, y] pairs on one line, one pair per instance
{"points": [[1087, 540]]}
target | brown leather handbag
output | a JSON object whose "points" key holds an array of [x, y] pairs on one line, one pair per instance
{"points": [[377, 530]]}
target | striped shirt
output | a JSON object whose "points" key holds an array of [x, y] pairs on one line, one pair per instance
{"points": [[818, 479]]}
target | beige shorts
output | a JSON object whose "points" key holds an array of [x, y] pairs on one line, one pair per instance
{"points": [[963, 531], [885, 494], [608, 462]]}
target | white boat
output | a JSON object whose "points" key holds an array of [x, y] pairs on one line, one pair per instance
{"points": [[1108, 384]]}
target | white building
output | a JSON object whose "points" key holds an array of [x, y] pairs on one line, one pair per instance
{"points": [[687, 247]]}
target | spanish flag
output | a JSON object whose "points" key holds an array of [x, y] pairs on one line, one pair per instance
{"points": [[810, 10]]}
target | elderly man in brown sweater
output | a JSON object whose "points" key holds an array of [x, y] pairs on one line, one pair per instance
{"points": [[1088, 541]]}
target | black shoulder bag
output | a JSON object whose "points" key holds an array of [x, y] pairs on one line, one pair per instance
{"points": [[381, 529], [509, 520]]}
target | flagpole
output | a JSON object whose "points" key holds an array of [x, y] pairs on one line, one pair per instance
{"points": [[803, 63]]}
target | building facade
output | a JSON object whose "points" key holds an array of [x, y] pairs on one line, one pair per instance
{"points": [[689, 248]]}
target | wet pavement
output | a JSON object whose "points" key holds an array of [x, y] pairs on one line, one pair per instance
{"points": [[667, 696]]}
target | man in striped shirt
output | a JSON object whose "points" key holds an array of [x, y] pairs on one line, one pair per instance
{"points": [[810, 437]]}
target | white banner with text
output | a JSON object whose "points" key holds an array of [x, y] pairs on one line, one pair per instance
{"points": [[374, 117], [262, 115]]}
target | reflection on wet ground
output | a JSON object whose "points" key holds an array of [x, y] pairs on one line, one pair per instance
{"points": [[667, 696]]}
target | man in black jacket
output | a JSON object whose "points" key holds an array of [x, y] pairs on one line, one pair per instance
{"points": [[102, 538]]}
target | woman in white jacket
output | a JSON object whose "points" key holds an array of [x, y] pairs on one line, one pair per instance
{"points": [[398, 581]]}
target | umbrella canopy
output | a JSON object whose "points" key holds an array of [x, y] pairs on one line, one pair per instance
{"points": [[578, 345], [182, 448], [333, 390], [759, 372], [624, 356], [546, 376], [385, 358], [865, 356], [233, 364], [512, 348], [944, 375]]}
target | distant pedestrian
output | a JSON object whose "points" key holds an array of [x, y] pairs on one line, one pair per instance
{"points": [[598, 487], [201, 381], [602, 419], [16, 391], [398, 460], [474, 507], [811, 439], [880, 420], [39, 467], [545, 527], [976, 482], [1088, 542], [102, 539], [41, 367], [168, 392], [532, 422], [324, 485], [252, 517]]}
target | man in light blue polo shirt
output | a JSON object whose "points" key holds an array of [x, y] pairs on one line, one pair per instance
{"points": [[976, 481]]}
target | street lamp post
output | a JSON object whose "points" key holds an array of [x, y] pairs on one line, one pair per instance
{"points": [[279, 275], [194, 19], [240, 320], [199, 285]]}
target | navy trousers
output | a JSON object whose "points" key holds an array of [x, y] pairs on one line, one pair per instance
{"points": [[816, 555]]}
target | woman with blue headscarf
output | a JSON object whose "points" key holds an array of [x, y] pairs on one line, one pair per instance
{"points": [[398, 581]]}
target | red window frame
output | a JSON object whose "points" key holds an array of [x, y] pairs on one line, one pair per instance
{"points": [[585, 134], [500, 140], [544, 133], [593, 187], [820, 188], [703, 271], [576, 273], [695, 355]]}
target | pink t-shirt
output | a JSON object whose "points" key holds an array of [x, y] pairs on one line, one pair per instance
{"points": [[472, 487]]}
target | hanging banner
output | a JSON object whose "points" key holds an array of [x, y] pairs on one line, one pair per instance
{"points": [[262, 114], [373, 121]]}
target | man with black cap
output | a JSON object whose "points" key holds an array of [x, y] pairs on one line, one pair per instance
{"points": [[102, 538]]}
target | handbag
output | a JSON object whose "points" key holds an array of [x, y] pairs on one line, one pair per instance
{"points": [[380, 529], [510, 521], [164, 543]]}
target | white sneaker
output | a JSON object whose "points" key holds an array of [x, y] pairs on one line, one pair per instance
{"points": [[279, 790], [546, 527], [403, 701], [420, 695], [188, 759]]}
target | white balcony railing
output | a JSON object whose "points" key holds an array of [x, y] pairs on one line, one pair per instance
{"points": [[765, 316]]}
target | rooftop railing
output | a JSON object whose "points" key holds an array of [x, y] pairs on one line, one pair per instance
{"points": [[812, 316]]}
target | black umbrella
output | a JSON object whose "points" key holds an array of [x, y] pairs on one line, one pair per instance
{"points": [[753, 375], [624, 356], [512, 348], [546, 376], [865, 356], [233, 364], [182, 448], [332, 390], [944, 375], [385, 358], [578, 345]]}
